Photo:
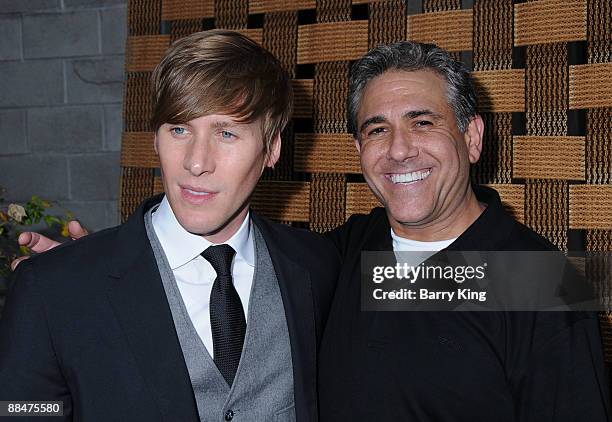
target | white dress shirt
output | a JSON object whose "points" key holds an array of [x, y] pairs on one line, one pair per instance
{"points": [[194, 275]]}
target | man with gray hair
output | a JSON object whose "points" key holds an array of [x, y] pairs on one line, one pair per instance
{"points": [[413, 114]]}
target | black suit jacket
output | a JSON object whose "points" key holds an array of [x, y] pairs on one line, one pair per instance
{"points": [[88, 323]]}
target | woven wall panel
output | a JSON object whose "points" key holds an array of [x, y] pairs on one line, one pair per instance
{"points": [[137, 107], [143, 53], [495, 163], [590, 85], [546, 209], [325, 152], [187, 9], [501, 90], [549, 21], [294, 197], [359, 199], [136, 186], [143, 17], [493, 35], [451, 30], [268, 6], [387, 21], [138, 150], [158, 185], [303, 90], [328, 42], [549, 157], [590, 207], [513, 198], [599, 145]]}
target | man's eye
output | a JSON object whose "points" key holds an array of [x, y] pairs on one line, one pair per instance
{"points": [[178, 131], [422, 123], [226, 135], [376, 131]]}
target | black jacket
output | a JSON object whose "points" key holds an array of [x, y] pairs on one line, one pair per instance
{"points": [[456, 366], [88, 323]]}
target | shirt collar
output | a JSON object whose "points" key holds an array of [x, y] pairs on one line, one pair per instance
{"points": [[181, 246]]}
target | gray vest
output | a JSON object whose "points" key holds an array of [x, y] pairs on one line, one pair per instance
{"points": [[263, 387]]}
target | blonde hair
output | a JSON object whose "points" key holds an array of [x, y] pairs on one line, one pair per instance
{"points": [[224, 72]]}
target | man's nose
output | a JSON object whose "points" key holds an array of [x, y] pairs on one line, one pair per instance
{"points": [[200, 156], [404, 145]]}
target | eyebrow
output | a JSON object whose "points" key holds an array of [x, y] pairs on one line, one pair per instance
{"points": [[221, 124], [413, 114], [371, 121], [425, 112]]}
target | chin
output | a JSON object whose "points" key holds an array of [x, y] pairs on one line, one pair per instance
{"points": [[201, 226], [413, 217]]}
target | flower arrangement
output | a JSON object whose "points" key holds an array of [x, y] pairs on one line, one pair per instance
{"points": [[17, 218]]}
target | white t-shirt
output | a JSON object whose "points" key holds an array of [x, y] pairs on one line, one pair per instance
{"points": [[419, 251]]}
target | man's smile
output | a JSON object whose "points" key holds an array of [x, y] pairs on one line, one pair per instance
{"points": [[411, 177]]}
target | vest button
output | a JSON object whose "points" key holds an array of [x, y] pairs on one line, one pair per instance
{"points": [[229, 415]]}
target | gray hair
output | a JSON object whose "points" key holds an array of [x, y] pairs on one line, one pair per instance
{"points": [[412, 56]]}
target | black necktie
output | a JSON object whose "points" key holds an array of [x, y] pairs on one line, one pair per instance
{"points": [[226, 314]]}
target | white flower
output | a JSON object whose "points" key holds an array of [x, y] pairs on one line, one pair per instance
{"points": [[16, 212]]}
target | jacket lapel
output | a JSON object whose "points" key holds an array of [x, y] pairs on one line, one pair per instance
{"points": [[296, 292], [139, 301]]}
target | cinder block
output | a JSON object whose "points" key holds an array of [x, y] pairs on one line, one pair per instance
{"points": [[12, 6], [113, 123], [94, 215], [92, 3], [31, 83], [27, 175], [113, 216], [95, 176], [10, 38], [95, 81], [13, 132], [114, 30], [65, 34], [66, 129]]}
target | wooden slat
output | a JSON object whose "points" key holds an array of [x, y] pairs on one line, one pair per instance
{"points": [[501, 90], [145, 52], [451, 30], [590, 86], [303, 93], [359, 199], [256, 34], [549, 21], [329, 42], [137, 150], [512, 197], [187, 9], [549, 157], [590, 207], [282, 200], [326, 153], [267, 6], [158, 185]]}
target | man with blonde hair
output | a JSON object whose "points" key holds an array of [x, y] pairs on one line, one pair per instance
{"points": [[195, 308]]}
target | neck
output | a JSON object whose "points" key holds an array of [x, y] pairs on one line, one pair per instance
{"points": [[450, 226]]}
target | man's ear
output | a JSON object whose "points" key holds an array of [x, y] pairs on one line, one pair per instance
{"points": [[357, 145], [274, 151], [473, 138]]}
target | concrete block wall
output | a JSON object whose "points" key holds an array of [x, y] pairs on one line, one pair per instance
{"points": [[61, 92]]}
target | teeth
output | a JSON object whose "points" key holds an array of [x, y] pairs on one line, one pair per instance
{"points": [[410, 177], [197, 193]]}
